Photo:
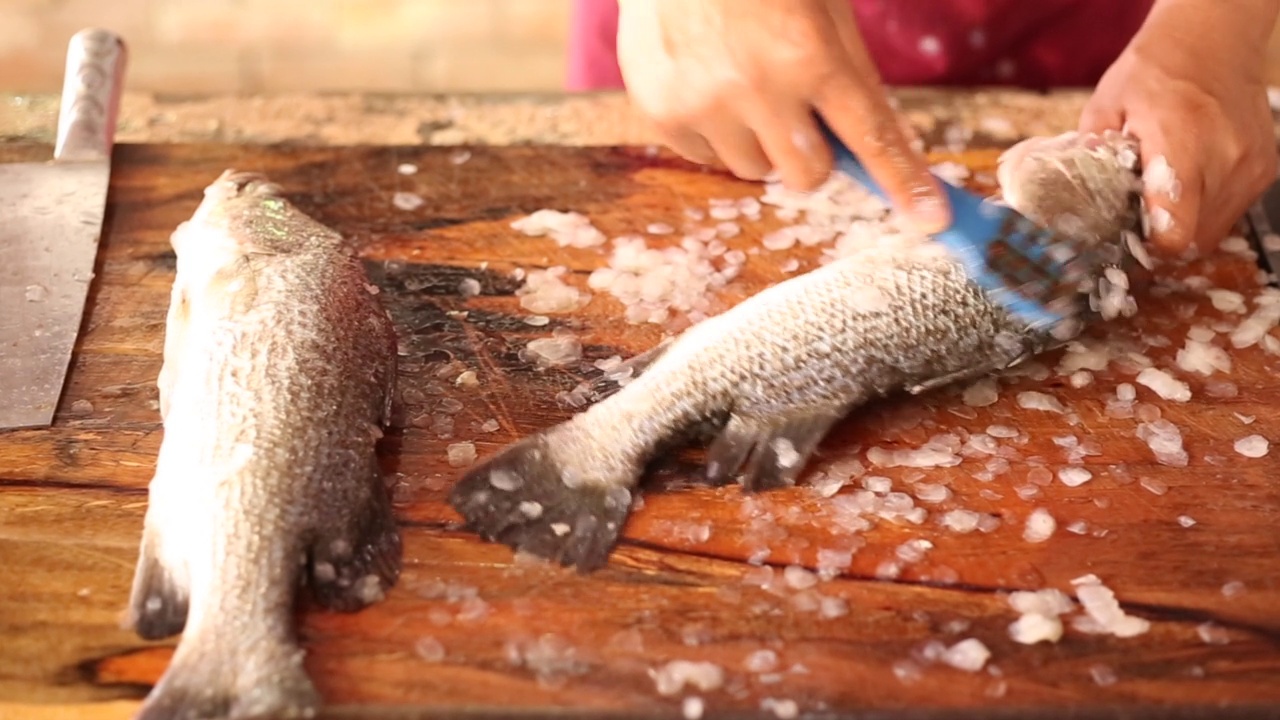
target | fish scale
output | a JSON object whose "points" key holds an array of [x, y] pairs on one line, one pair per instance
{"points": [[1029, 269], [778, 370]]}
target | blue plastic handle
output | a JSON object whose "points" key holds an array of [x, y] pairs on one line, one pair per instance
{"points": [[975, 225]]}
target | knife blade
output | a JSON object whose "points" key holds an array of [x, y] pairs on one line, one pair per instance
{"points": [[1262, 220], [53, 213]]}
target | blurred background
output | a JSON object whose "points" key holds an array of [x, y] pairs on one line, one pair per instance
{"points": [[272, 46], [256, 46]]}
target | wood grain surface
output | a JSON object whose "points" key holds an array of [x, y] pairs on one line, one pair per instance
{"points": [[521, 638]]}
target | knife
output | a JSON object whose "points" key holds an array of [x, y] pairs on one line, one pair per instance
{"points": [[50, 219], [1263, 223]]}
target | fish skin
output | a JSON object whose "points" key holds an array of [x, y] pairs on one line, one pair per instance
{"points": [[776, 371], [278, 374]]}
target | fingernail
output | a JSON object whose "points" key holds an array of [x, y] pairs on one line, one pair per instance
{"points": [[930, 213]]}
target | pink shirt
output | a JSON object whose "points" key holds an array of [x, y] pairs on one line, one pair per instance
{"points": [[1028, 43]]}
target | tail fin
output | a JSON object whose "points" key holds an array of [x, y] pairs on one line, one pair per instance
{"points": [[205, 686], [158, 601], [520, 498], [235, 660]]}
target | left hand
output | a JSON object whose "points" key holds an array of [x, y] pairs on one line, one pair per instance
{"points": [[1190, 87]]}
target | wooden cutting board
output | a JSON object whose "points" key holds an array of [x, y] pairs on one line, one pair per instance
{"points": [[72, 497]]}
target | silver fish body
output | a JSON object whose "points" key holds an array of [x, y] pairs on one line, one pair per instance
{"points": [[278, 373], [776, 371]]}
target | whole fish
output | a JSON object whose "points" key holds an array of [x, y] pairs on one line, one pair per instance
{"points": [[278, 373], [776, 371]]}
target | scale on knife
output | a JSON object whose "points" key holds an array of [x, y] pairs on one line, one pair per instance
{"points": [[50, 219]]}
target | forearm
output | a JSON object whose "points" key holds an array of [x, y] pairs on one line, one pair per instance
{"points": [[1248, 22]]}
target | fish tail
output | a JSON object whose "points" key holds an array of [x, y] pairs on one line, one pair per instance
{"points": [[238, 656], [270, 683], [528, 500], [158, 602], [356, 555]]}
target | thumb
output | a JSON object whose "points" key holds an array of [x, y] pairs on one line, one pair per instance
{"points": [[1099, 115]]}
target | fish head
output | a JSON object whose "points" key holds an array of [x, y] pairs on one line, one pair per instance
{"points": [[1084, 185], [243, 213], [242, 216]]}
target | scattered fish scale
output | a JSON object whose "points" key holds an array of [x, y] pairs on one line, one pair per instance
{"points": [[839, 230]]}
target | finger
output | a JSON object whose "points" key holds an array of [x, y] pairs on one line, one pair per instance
{"points": [[858, 112], [737, 147], [1214, 227], [1174, 223], [911, 187], [794, 146], [1173, 195], [1218, 218], [855, 106], [1249, 179], [686, 143], [1100, 115]]}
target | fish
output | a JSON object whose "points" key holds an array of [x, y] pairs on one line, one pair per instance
{"points": [[276, 384], [767, 379]]}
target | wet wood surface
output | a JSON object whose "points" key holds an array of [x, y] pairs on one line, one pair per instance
{"points": [[523, 638]]}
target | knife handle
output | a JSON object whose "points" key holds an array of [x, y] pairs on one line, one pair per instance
{"points": [[90, 96]]}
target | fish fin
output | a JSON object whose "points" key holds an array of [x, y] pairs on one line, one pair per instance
{"points": [[158, 602], [357, 556], [774, 453], [236, 284], [379, 326], [393, 373], [1008, 352], [201, 687], [729, 451], [606, 384], [948, 379], [541, 515], [643, 361]]}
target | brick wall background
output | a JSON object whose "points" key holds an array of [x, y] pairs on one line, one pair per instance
{"points": [[252, 46]]}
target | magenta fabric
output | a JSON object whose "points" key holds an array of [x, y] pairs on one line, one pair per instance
{"points": [[1026, 43], [593, 38]]}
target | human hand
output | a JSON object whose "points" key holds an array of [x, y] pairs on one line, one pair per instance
{"points": [[723, 81], [1190, 88]]}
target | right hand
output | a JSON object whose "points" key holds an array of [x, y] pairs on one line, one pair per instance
{"points": [[740, 85], [1168, 96]]}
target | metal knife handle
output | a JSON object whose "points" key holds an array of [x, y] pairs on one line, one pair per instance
{"points": [[90, 95]]}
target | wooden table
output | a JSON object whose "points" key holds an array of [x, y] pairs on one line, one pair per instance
{"points": [[679, 586]]}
